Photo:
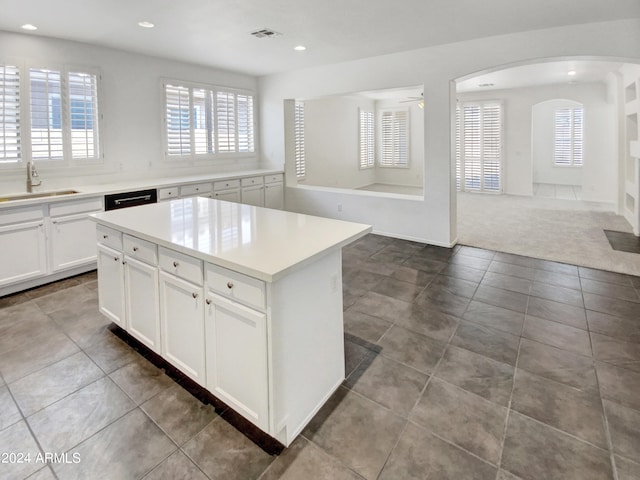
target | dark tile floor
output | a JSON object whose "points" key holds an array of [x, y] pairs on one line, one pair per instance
{"points": [[461, 364]]}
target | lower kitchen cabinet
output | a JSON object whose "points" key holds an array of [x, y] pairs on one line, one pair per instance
{"points": [[111, 291], [182, 332], [22, 251], [236, 357], [142, 302]]}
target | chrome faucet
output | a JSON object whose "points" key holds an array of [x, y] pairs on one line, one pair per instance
{"points": [[32, 174]]}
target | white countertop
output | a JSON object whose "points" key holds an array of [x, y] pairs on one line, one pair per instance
{"points": [[87, 191], [260, 242]]}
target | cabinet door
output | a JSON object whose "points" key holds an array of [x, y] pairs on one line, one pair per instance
{"points": [[274, 195], [142, 302], [182, 332], [22, 252], [228, 195], [253, 196], [111, 285], [72, 241], [237, 358]]}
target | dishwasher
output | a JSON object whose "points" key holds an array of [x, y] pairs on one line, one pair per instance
{"points": [[115, 201]]}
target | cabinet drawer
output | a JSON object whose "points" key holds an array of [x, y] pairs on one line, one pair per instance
{"points": [[197, 189], [140, 249], [236, 286], [247, 182], [78, 206], [109, 236], [276, 178], [20, 215], [226, 184], [167, 193], [181, 265]]}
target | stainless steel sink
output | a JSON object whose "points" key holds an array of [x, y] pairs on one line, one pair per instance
{"points": [[27, 196]]}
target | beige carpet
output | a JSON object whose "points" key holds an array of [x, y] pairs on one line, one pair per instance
{"points": [[552, 229]]}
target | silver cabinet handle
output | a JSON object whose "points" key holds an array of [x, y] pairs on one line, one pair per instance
{"points": [[194, 295], [229, 285], [208, 301], [175, 264]]}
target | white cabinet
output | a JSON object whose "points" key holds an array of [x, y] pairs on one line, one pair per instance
{"points": [[23, 244], [141, 297], [274, 195], [168, 193], [228, 190], [72, 233], [182, 312], [253, 191], [236, 358], [111, 291]]}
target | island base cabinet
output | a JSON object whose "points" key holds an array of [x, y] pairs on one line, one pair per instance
{"points": [[111, 285], [142, 302], [236, 358], [182, 325]]}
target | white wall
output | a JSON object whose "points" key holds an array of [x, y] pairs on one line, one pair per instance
{"points": [[529, 134], [432, 220], [331, 140], [131, 101]]}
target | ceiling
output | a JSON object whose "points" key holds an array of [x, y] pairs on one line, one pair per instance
{"points": [[217, 32]]}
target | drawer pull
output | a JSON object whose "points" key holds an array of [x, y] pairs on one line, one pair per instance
{"points": [[194, 295], [175, 264], [135, 249], [208, 301], [116, 259], [229, 285], [105, 236]]}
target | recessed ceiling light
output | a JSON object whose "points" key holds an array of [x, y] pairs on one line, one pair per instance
{"points": [[28, 26], [300, 48], [571, 73], [145, 24]]}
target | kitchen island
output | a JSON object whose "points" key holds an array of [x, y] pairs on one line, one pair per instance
{"points": [[245, 301]]}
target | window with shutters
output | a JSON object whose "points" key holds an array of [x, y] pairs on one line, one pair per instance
{"points": [[479, 146], [10, 132], [206, 121], [48, 115], [298, 122], [394, 138], [367, 133], [568, 137]]}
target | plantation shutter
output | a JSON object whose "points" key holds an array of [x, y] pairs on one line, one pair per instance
{"points": [[395, 138], [367, 152], [479, 146], [226, 120], [568, 137], [10, 148], [245, 123], [178, 120], [299, 140], [203, 140], [46, 114], [83, 113]]}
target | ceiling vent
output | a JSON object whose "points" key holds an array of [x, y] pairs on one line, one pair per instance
{"points": [[265, 32]]}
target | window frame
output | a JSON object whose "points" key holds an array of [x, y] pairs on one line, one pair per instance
{"points": [[300, 157], [67, 159], [366, 139], [213, 152], [395, 163], [572, 139]]}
